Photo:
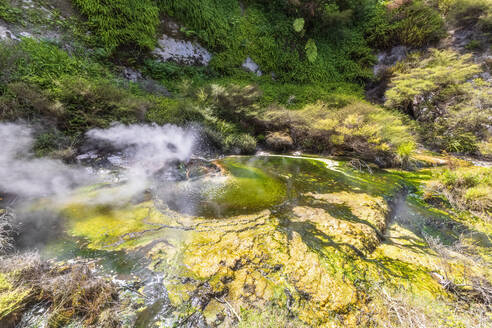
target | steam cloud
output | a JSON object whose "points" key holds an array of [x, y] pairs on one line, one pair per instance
{"points": [[147, 149], [24, 175]]}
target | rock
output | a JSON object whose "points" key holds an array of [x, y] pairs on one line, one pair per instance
{"points": [[389, 58], [131, 74], [251, 66], [279, 141], [182, 51], [6, 34], [155, 87]]}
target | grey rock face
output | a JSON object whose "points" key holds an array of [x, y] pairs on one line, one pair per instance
{"points": [[6, 34], [182, 51], [389, 58], [251, 66]]}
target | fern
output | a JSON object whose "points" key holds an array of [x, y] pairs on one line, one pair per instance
{"points": [[117, 23]]}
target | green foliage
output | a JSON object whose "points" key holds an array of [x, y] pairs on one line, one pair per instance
{"points": [[473, 45], [71, 91], [467, 188], [469, 13], [169, 73], [290, 95], [42, 62], [174, 111], [311, 50], [241, 143], [374, 134], [442, 72], [9, 13], [96, 103], [435, 89], [122, 23], [264, 31], [298, 25], [414, 24]]}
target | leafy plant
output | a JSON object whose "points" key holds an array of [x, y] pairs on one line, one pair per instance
{"points": [[454, 114], [298, 25], [311, 50], [118, 23], [413, 24]]}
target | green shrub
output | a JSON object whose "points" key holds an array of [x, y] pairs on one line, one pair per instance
{"points": [[467, 188], [413, 24], [71, 91], [118, 23], [454, 113], [370, 132], [469, 13], [174, 111], [473, 45], [25, 101], [41, 63], [240, 143], [96, 103], [9, 13]]}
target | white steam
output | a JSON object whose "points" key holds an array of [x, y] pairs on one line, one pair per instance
{"points": [[146, 149], [24, 175]]}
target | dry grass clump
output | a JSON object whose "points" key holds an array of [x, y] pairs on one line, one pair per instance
{"points": [[71, 291]]}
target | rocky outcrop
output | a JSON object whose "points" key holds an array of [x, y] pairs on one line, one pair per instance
{"points": [[6, 34], [181, 51], [251, 66]]}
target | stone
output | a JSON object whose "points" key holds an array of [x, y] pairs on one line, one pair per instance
{"points": [[251, 66], [389, 58], [6, 34], [181, 51]]}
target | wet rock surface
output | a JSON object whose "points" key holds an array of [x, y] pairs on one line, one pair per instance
{"points": [[288, 251], [315, 235]]}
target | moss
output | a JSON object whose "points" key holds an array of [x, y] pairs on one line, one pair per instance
{"points": [[112, 228]]}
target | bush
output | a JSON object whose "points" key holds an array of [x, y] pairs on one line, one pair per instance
{"points": [[469, 13], [240, 144], [72, 292], [41, 63], [467, 188], [122, 23], [370, 132], [454, 113], [71, 91], [8, 13], [96, 103], [413, 24]]}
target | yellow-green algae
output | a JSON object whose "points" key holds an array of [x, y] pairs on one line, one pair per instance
{"points": [[321, 253]]}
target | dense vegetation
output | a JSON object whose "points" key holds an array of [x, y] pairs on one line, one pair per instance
{"points": [[308, 51], [441, 90]]}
